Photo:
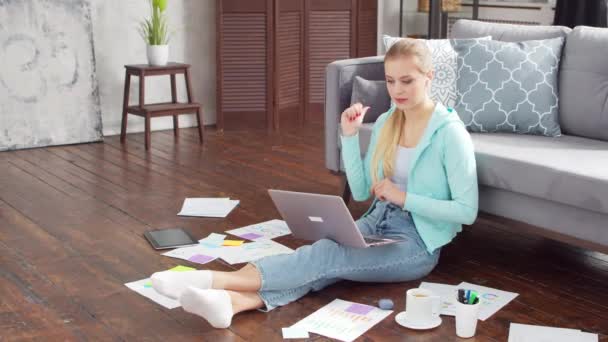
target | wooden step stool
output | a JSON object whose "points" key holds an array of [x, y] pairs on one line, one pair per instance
{"points": [[149, 111]]}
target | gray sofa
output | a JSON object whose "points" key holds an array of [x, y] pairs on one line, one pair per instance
{"points": [[558, 186]]}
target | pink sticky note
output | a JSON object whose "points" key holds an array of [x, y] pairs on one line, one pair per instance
{"points": [[360, 309], [251, 236], [201, 258]]}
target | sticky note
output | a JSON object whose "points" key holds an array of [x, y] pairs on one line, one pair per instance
{"points": [[211, 245], [214, 240], [215, 237], [148, 284], [251, 236], [233, 242], [360, 309], [181, 268], [295, 333], [201, 258]]}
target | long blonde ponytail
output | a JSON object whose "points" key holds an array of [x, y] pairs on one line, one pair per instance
{"points": [[390, 134]]}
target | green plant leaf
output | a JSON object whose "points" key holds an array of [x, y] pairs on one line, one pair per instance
{"points": [[162, 4], [155, 30]]}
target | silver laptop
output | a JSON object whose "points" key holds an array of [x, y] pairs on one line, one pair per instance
{"points": [[315, 216]]}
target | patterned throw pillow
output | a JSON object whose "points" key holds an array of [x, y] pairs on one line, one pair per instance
{"points": [[443, 87], [509, 86]]}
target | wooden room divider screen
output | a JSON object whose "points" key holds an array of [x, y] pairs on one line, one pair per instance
{"points": [[272, 54]]}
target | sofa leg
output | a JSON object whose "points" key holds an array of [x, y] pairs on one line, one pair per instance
{"points": [[346, 193]]}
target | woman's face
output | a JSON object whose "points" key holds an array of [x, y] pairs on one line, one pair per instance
{"points": [[407, 84]]}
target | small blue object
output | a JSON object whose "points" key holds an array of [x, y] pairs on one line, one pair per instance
{"points": [[385, 304]]}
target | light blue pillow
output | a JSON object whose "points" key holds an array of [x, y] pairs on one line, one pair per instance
{"points": [[509, 86]]}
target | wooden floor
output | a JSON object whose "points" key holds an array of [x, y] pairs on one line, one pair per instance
{"points": [[72, 218]]}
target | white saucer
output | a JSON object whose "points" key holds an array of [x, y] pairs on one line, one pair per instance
{"points": [[402, 321]]}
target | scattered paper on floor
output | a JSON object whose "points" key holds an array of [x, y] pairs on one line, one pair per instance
{"points": [[252, 251], [207, 207], [342, 320], [265, 230], [537, 333]]}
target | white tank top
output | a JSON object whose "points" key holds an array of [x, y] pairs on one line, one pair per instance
{"points": [[403, 157]]}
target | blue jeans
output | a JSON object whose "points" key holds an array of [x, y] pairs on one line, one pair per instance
{"points": [[288, 277]]}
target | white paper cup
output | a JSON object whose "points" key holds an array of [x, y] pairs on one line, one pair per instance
{"points": [[466, 319]]}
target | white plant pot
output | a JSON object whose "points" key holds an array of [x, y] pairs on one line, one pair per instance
{"points": [[158, 55]]}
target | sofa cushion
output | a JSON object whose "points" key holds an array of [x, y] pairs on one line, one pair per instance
{"points": [[464, 28], [339, 78], [584, 83], [565, 169], [365, 135], [373, 94], [443, 86], [508, 86]]}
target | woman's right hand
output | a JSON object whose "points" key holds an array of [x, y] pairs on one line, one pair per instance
{"points": [[352, 119]]}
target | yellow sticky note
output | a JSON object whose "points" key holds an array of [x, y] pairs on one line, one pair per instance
{"points": [[181, 268], [233, 242]]}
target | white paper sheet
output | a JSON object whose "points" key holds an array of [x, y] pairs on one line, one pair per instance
{"points": [[342, 320], [490, 300], [294, 333], [589, 337], [208, 250], [144, 288], [265, 230], [195, 253], [253, 251], [448, 294], [207, 207], [536, 333]]}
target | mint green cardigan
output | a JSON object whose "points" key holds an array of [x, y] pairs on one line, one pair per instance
{"points": [[442, 190]]}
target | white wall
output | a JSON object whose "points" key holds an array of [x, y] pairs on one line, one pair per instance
{"points": [[117, 42], [388, 19]]}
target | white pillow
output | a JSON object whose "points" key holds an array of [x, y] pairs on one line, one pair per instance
{"points": [[443, 88]]}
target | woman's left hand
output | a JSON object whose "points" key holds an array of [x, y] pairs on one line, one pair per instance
{"points": [[386, 190]]}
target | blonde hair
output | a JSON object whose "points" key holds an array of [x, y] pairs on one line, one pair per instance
{"points": [[393, 128]]}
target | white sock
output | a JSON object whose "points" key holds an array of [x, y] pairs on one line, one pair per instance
{"points": [[213, 305], [172, 284]]}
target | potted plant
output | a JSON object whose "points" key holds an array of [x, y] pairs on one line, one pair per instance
{"points": [[155, 32]]}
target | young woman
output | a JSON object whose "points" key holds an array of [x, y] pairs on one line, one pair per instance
{"points": [[420, 168]]}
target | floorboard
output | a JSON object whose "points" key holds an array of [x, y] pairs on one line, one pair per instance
{"points": [[72, 218]]}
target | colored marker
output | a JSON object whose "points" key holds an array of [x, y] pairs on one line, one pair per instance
{"points": [[473, 297]]}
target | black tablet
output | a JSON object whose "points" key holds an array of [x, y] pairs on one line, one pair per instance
{"points": [[170, 238]]}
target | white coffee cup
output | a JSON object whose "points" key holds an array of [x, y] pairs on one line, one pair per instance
{"points": [[466, 319], [421, 306]]}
